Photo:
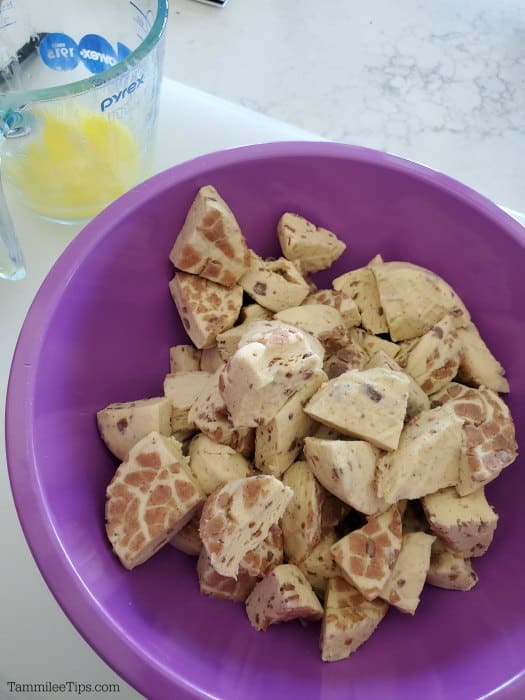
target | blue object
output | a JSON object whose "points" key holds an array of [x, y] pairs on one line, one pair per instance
{"points": [[96, 53], [59, 51]]}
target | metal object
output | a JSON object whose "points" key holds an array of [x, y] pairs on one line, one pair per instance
{"points": [[215, 3], [27, 51]]}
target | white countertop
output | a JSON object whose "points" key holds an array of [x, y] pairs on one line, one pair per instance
{"points": [[434, 82], [442, 82]]}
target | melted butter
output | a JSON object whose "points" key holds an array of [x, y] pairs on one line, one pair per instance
{"points": [[72, 168]]}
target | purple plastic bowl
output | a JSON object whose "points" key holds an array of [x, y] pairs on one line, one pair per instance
{"points": [[99, 331]]}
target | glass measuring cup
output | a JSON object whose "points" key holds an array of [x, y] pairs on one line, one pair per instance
{"points": [[79, 93]]}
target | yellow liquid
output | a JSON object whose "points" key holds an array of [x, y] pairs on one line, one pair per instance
{"points": [[71, 169]]}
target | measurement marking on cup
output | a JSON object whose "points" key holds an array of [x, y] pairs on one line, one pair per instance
{"points": [[5, 19], [110, 100], [144, 21]]}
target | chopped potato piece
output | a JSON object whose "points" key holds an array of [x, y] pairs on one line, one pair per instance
{"points": [[254, 312], [211, 360], [373, 343], [187, 539], [261, 375], [346, 468], [283, 594], [210, 415], [450, 570], [434, 360], [324, 432], [237, 517], [215, 585], [360, 285], [370, 405], [465, 523], [302, 520], [349, 620], [205, 308], [344, 304], [312, 286], [376, 260], [313, 247], [367, 556], [403, 588], [274, 284], [320, 565], [266, 556], [417, 399], [323, 322], [210, 243], [478, 366], [405, 346], [184, 358], [352, 356], [414, 299], [182, 388], [228, 341], [490, 439], [151, 497], [278, 443], [428, 457], [257, 332], [122, 425], [213, 464]]}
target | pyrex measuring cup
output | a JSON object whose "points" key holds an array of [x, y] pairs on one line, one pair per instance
{"points": [[79, 88]]}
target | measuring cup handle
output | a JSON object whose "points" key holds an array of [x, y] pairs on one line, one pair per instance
{"points": [[11, 259]]}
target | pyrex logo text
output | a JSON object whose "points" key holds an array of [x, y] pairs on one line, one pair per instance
{"points": [[111, 100]]}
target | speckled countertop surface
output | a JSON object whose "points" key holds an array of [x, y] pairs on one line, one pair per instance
{"points": [[442, 83]]}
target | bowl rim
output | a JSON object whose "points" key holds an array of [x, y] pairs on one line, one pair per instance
{"points": [[146, 674]]}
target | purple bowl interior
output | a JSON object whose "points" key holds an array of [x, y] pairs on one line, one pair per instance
{"points": [[99, 331]]}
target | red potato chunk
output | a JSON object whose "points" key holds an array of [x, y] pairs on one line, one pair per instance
{"points": [[368, 405], [187, 539], [284, 594], [403, 588], [184, 358], [211, 243], [238, 516], [205, 308], [489, 433], [450, 570], [348, 621], [267, 555], [302, 519], [265, 372], [274, 284], [346, 468], [122, 425], [150, 498], [465, 523], [312, 247], [367, 556], [215, 585]]}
